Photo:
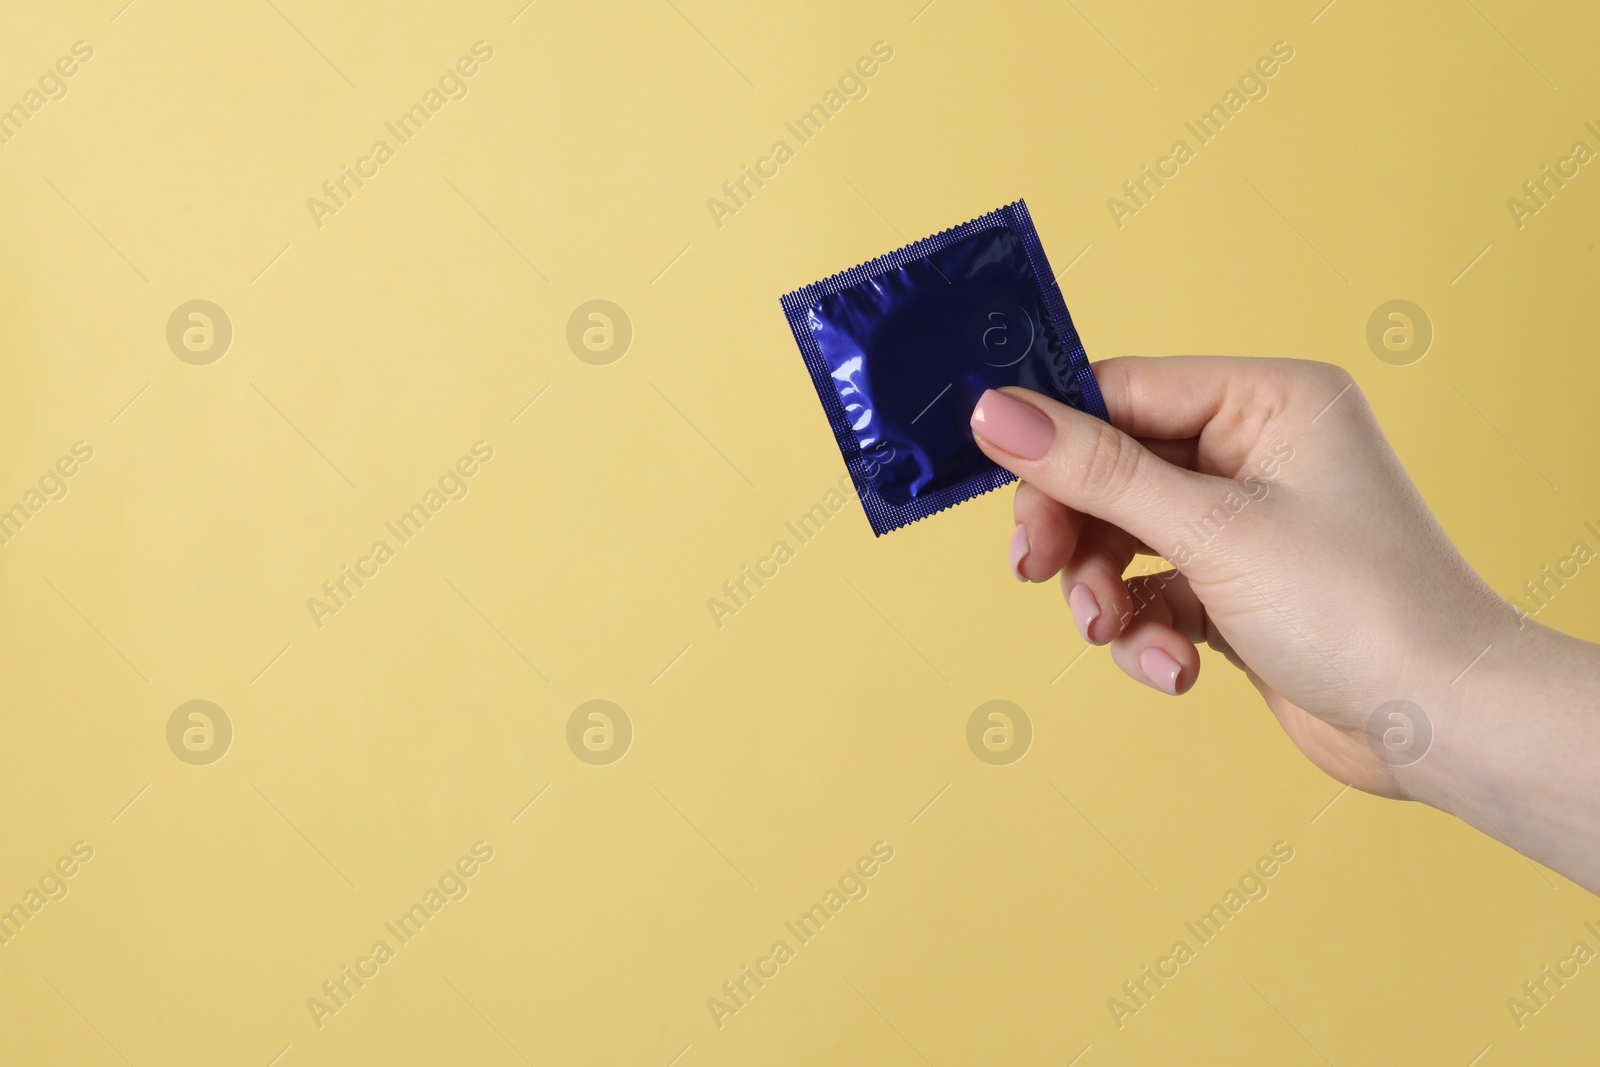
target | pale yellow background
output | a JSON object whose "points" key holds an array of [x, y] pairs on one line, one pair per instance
{"points": [[771, 753]]}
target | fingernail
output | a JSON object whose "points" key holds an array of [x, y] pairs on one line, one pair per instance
{"points": [[1085, 608], [1008, 423], [1161, 669], [1019, 550]]}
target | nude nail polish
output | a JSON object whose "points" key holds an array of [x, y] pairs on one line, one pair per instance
{"points": [[1014, 426], [1085, 608], [1161, 669], [1019, 551]]}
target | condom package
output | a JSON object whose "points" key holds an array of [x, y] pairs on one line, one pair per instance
{"points": [[901, 348]]}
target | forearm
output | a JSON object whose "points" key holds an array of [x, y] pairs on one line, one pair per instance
{"points": [[1517, 750]]}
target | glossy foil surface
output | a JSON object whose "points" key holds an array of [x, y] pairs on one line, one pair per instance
{"points": [[906, 345]]}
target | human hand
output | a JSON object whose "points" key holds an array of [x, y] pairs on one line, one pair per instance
{"points": [[1304, 553]]}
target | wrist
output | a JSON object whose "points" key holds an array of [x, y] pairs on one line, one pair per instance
{"points": [[1469, 714], [1508, 739]]}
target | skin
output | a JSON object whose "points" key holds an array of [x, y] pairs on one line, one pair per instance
{"points": [[1323, 576]]}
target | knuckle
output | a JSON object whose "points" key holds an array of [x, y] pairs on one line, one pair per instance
{"points": [[1326, 375], [1118, 379], [1106, 464], [1148, 598]]}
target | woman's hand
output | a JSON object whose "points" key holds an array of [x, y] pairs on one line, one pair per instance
{"points": [[1304, 554]]}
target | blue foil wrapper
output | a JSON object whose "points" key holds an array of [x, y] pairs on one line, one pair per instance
{"points": [[901, 348]]}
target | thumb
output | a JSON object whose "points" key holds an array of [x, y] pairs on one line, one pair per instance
{"points": [[1090, 465]]}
